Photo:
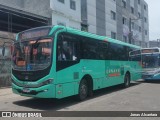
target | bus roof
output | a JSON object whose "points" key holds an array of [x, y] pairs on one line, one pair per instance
{"points": [[152, 48], [146, 51], [104, 38]]}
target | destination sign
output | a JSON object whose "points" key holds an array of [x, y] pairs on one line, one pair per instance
{"points": [[150, 50], [34, 33]]}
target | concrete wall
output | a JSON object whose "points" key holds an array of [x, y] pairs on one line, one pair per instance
{"points": [[154, 43], [39, 7], [84, 10], [5, 61], [139, 38], [62, 13], [13, 3], [119, 20], [100, 17], [146, 24], [91, 15], [111, 25], [100, 22]]}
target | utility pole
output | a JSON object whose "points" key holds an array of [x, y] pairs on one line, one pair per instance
{"points": [[130, 32]]}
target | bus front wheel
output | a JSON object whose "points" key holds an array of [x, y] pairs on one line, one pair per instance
{"points": [[83, 90], [126, 80]]}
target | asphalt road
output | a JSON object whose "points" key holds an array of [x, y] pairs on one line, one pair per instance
{"points": [[141, 96]]}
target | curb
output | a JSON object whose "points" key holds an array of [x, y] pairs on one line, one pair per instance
{"points": [[5, 87]]}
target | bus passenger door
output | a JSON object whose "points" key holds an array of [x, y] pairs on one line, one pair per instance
{"points": [[67, 66]]}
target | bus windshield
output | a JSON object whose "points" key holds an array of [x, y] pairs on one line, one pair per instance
{"points": [[150, 61], [32, 55]]}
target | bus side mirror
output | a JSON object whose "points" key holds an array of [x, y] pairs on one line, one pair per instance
{"points": [[3, 50]]}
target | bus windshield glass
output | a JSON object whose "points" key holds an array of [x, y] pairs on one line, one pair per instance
{"points": [[150, 60], [32, 55]]}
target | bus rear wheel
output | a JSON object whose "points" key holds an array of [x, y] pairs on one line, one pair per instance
{"points": [[83, 90], [126, 81]]}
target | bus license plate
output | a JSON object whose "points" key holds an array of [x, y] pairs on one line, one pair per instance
{"points": [[26, 90]]}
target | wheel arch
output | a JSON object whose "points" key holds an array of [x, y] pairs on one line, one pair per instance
{"points": [[90, 83], [128, 72]]}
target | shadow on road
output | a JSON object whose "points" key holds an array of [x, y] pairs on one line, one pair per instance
{"points": [[55, 104]]}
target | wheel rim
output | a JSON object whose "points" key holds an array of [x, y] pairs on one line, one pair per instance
{"points": [[83, 91], [127, 81]]}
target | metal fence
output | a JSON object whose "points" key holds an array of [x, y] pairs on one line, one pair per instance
{"points": [[5, 62]]}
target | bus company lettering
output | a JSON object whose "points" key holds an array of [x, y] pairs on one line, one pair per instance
{"points": [[113, 72]]}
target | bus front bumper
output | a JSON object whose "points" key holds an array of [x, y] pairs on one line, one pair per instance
{"points": [[46, 91]]}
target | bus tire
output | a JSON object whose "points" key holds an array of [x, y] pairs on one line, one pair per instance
{"points": [[83, 90], [126, 80]]}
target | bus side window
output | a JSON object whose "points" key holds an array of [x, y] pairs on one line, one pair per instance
{"points": [[67, 49], [103, 50], [88, 48]]}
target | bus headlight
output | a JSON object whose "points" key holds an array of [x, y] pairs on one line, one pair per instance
{"points": [[49, 81]]}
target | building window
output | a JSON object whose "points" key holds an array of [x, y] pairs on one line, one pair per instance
{"points": [[67, 50], [145, 8], [124, 21], [125, 39], [84, 27], [132, 10], [146, 32], [123, 3], [113, 15], [145, 19], [62, 1], [73, 4], [140, 29], [113, 35], [139, 2], [132, 25], [140, 43], [139, 15]]}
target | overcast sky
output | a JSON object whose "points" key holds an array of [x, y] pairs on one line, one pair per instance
{"points": [[154, 19]]}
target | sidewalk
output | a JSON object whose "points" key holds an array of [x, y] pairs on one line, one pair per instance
{"points": [[5, 91], [5, 80]]}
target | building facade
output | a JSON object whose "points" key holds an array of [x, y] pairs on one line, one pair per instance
{"points": [[16, 16], [125, 20], [154, 43], [19, 15], [66, 12]]}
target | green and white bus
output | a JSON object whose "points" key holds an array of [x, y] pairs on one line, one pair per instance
{"points": [[57, 62], [150, 62]]}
